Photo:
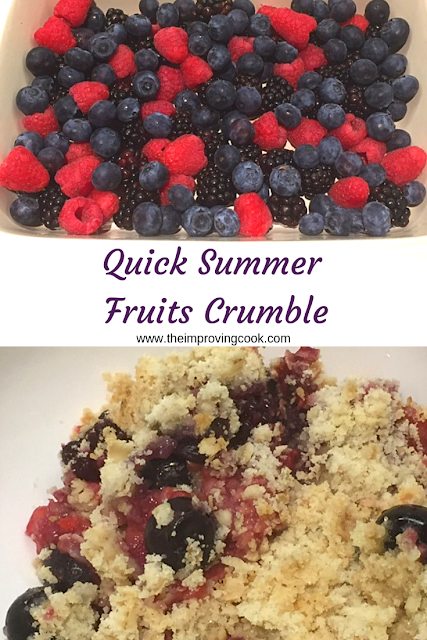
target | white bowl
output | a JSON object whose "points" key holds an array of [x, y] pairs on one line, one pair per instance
{"points": [[19, 20]]}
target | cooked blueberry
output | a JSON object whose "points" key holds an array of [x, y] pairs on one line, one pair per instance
{"points": [[220, 428], [166, 473], [20, 624], [188, 449], [400, 518], [68, 571], [86, 469]]}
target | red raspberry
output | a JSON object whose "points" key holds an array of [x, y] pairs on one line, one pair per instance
{"points": [[171, 83], [21, 171], [239, 45], [157, 106], [308, 132], [268, 133], [79, 150], [313, 57], [350, 193], [154, 149], [404, 165], [75, 179], [185, 155], [187, 181], [80, 217], [107, 201], [352, 132], [123, 62], [291, 72], [56, 35], [195, 71], [86, 94], [267, 10], [370, 150], [358, 21], [155, 28], [172, 44], [42, 123], [255, 217], [73, 11], [294, 27]]}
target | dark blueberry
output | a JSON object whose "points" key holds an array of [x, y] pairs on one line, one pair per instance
{"points": [[374, 174], [118, 32], [285, 181], [245, 5], [187, 99], [248, 100], [149, 8], [52, 159], [267, 72], [146, 85], [364, 71], [379, 95], [204, 118], [240, 21], [26, 211], [380, 127], [343, 10], [328, 30], [228, 120], [307, 156], [165, 473], [331, 116], [147, 60], [105, 74], [406, 88], [321, 204], [395, 33], [398, 110], [180, 197], [288, 115], [227, 225], [303, 6], [86, 469], [41, 62], [197, 27], [107, 177], [375, 49], [198, 221], [46, 83], [220, 95], [264, 192], [394, 66], [66, 109], [188, 449], [32, 100], [250, 64], [128, 110], [312, 224], [153, 176], [321, 10], [83, 36], [241, 132], [68, 571], [199, 44], [103, 47], [265, 46], [356, 221], [285, 53], [167, 15], [259, 25], [227, 158], [353, 37], [77, 130], [171, 220], [415, 193], [377, 12], [31, 141], [105, 142], [68, 77], [310, 80], [102, 113], [187, 10], [20, 625], [399, 140], [79, 59], [158, 125], [337, 222], [332, 91], [139, 26], [219, 57], [336, 51], [349, 164], [247, 177], [95, 20], [330, 149], [147, 219], [58, 141], [304, 100], [376, 219], [400, 518]]}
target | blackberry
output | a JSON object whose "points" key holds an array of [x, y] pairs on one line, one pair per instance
{"points": [[51, 201], [121, 89], [314, 39], [212, 139], [134, 136], [130, 192], [115, 16], [373, 31], [275, 92], [317, 181], [205, 9], [274, 158], [340, 71], [57, 93], [355, 102], [243, 80], [287, 211], [392, 196], [250, 152], [201, 91], [214, 187], [181, 124], [136, 43]]}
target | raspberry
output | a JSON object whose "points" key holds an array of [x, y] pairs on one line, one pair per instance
{"points": [[79, 150], [404, 165], [75, 178], [255, 217], [86, 94], [154, 149], [155, 29], [239, 45], [195, 71], [268, 133], [308, 132], [185, 155], [370, 150], [123, 62], [267, 10], [157, 106], [358, 21], [187, 181], [42, 123], [73, 11], [81, 216], [172, 44], [171, 83], [313, 57], [352, 132], [294, 27], [56, 35], [350, 193], [21, 171], [290, 72], [107, 201]]}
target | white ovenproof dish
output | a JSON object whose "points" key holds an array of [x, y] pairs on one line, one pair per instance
{"points": [[19, 20]]}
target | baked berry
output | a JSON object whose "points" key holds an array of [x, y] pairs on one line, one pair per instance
{"points": [[395, 33], [41, 61], [312, 224], [285, 181], [165, 473], [147, 219], [376, 219], [197, 221], [226, 224], [20, 624], [415, 193], [105, 142], [26, 211], [153, 176], [68, 571]]}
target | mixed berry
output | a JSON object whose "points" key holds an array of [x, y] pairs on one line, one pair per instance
{"points": [[253, 114]]}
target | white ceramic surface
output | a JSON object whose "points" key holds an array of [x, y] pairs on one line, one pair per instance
{"points": [[20, 18], [43, 393]]}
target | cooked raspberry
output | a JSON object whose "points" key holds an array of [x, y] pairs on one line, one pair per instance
{"points": [[291, 72], [255, 216], [268, 133], [404, 165], [195, 71], [308, 132], [358, 21], [81, 216], [239, 45], [158, 106], [175, 178], [79, 150], [185, 155], [370, 150], [352, 132], [294, 27], [21, 171], [171, 83], [350, 193], [75, 178], [56, 35], [313, 57], [73, 11], [172, 44], [86, 94], [154, 149], [42, 123], [123, 62], [107, 201], [267, 10]]}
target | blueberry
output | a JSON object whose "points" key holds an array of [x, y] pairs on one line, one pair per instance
{"points": [[400, 518], [285, 181], [379, 95], [66, 109], [377, 12], [165, 473], [95, 20], [147, 219], [250, 64], [31, 141], [102, 113], [146, 60], [197, 221], [333, 91], [146, 85], [241, 132], [167, 15], [247, 177], [259, 25], [310, 80], [265, 46], [331, 116], [349, 164], [343, 10], [83, 36], [353, 37], [267, 72], [304, 100], [364, 71], [118, 33], [219, 57], [79, 59], [307, 156], [380, 126], [285, 53], [397, 110], [321, 10], [229, 118], [20, 624], [138, 26], [312, 224], [180, 197], [187, 99], [26, 211], [375, 49], [107, 176], [77, 130], [288, 115], [337, 222], [149, 8], [415, 193], [227, 158], [45, 83], [336, 51], [128, 110], [221, 28], [264, 192], [32, 100], [395, 33], [198, 27], [394, 66], [226, 222], [171, 220], [187, 10], [105, 142], [230, 73], [321, 204], [103, 47], [52, 159], [41, 61], [330, 150], [248, 100], [105, 74], [303, 6], [399, 140], [356, 221], [328, 30], [376, 219], [199, 44], [58, 141], [68, 571], [153, 176], [68, 77], [204, 118], [221, 95], [245, 5], [374, 174], [240, 21], [406, 88]]}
